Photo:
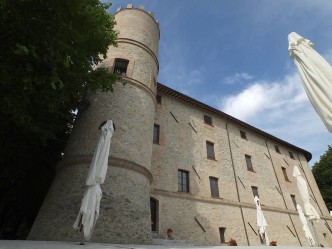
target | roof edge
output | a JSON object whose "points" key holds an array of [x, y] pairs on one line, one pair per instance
{"points": [[192, 101]]}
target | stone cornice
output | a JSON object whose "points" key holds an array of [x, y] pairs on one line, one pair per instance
{"points": [[112, 162], [140, 85], [222, 201], [141, 45]]}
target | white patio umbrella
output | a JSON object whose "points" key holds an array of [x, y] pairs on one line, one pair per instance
{"points": [[89, 210], [261, 222], [304, 193], [303, 189], [316, 75], [305, 225]]}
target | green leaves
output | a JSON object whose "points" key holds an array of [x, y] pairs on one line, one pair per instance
{"points": [[48, 53], [322, 172], [21, 50], [50, 48], [67, 62]]}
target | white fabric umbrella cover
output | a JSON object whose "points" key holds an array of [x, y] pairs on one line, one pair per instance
{"points": [[89, 210], [316, 75], [261, 222], [303, 189], [305, 225]]}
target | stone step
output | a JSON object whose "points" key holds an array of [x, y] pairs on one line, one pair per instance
{"points": [[170, 242], [156, 235]]}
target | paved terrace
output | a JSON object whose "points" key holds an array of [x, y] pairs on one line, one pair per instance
{"points": [[28, 244]]}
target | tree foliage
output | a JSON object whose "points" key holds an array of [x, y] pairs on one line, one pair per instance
{"points": [[48, 50], [322, 171]]}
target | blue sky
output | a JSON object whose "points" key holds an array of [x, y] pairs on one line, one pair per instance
{"points": [[232, 55]]}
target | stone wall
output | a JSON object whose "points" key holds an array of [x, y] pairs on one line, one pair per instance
{"points": [[183, 146], [124, 209]]}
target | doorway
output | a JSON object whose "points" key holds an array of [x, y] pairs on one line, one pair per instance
{"points": [[154, 214]]}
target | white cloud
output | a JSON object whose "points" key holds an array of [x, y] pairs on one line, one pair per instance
{"points": [[237, 78], [263, 96], [280, 108]]}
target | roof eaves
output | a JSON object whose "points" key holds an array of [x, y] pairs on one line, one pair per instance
{"points": [[194, 102]]}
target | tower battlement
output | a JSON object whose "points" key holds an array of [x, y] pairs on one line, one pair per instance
{"points": [[141, 8]]}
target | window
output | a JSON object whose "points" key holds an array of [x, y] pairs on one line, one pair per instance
{"points": [[222, 234], [183, 181], [277, 149], [210, 150], [243, 134], [291, 154], [285, 173], [158, 98], [214, 187], [293, 200], [156, 130], [120, 66], [255, 191], [249, 164], [207, 120]]}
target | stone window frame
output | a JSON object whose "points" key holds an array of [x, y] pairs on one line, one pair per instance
{"points": [[293, 198], [207, 120], [210, 150], [285, 174], [243, 135], [121, 64], [276, 147], [130, 66], [249, 163], [183, 186], [156, 133], [254, 190], [158, 99], [214, 186]]}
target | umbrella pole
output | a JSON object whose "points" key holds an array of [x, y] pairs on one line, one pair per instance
{"points": [[315, 232]]}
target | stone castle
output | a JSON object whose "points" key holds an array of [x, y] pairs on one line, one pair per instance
{"points": [[175, 163]]}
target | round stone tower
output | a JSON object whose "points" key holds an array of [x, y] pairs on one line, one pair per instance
{"points": [[125, 206]]}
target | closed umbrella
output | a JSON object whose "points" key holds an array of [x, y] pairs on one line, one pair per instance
{"points": [[305, 225], [316, 75], [309, 210], [89, 210], [304, 193], [261, 222]]}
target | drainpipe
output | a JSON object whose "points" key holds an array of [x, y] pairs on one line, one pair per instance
{"points": [[282, 194], [236, 184]]}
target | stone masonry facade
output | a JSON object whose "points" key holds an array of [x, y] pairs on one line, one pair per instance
{"points": [[161, 133], [182, 146]]}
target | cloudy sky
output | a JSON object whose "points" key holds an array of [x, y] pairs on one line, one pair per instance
{"points": [[233, 55]]}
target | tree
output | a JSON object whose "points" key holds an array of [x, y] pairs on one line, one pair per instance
{"points": [[322, 171], [48, 50]]}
